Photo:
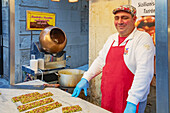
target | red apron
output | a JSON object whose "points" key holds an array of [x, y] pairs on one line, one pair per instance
{"points": [[116, 81]]}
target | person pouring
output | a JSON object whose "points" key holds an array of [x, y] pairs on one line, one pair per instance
{"points": [[127, 65]]}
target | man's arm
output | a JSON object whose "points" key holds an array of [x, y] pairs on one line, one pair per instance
{"points": [[144, 55]]}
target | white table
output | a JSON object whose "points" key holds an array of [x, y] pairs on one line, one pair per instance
{"points": [[7, 106]]}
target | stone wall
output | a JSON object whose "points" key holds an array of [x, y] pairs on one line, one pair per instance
{"points": [[5, 35], [72, 18]]}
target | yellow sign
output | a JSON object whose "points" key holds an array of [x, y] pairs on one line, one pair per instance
{"points": [[39, 20]]}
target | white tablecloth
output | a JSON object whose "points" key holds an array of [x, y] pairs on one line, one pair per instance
{"points": [[7, 106]]}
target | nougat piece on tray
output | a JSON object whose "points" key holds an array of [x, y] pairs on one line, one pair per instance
{"points": [[45, 108], [70, 109], [37, 97], [25, 96], [30, 97], [34, 104]]}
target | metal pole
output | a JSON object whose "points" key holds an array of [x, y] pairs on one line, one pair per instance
{"points": [[12, 41], [162, 24], [168, 9]]}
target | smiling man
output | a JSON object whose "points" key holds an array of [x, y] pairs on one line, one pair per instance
{"points": [[124, 23], [127, 65]]}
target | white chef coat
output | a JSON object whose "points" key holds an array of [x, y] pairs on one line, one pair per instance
{"points": [[139, 58]]}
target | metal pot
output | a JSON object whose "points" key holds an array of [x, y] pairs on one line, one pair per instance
{"points": [[52, 39], [69, 77]]}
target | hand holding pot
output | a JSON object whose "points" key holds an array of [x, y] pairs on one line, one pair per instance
{"points": [[83, 84]]}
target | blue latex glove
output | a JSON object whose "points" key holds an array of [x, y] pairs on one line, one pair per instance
{"points": [[83, 84], [130, 108]]}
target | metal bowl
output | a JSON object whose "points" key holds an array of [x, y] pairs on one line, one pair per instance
{"points": [[69, 77], [52, 39]]}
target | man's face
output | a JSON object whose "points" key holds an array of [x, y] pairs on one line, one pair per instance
{"points": [[124, 23]]}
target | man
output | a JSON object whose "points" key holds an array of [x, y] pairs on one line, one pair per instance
{"points": [[127, 65]]}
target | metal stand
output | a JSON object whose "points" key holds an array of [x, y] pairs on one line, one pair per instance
{"points": [[29, 74]]}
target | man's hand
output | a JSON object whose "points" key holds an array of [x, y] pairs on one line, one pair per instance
{"points": [[83, 84], [130, 108]]}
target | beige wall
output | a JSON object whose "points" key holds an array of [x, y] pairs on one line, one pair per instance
{"points": [[101, 24]]}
